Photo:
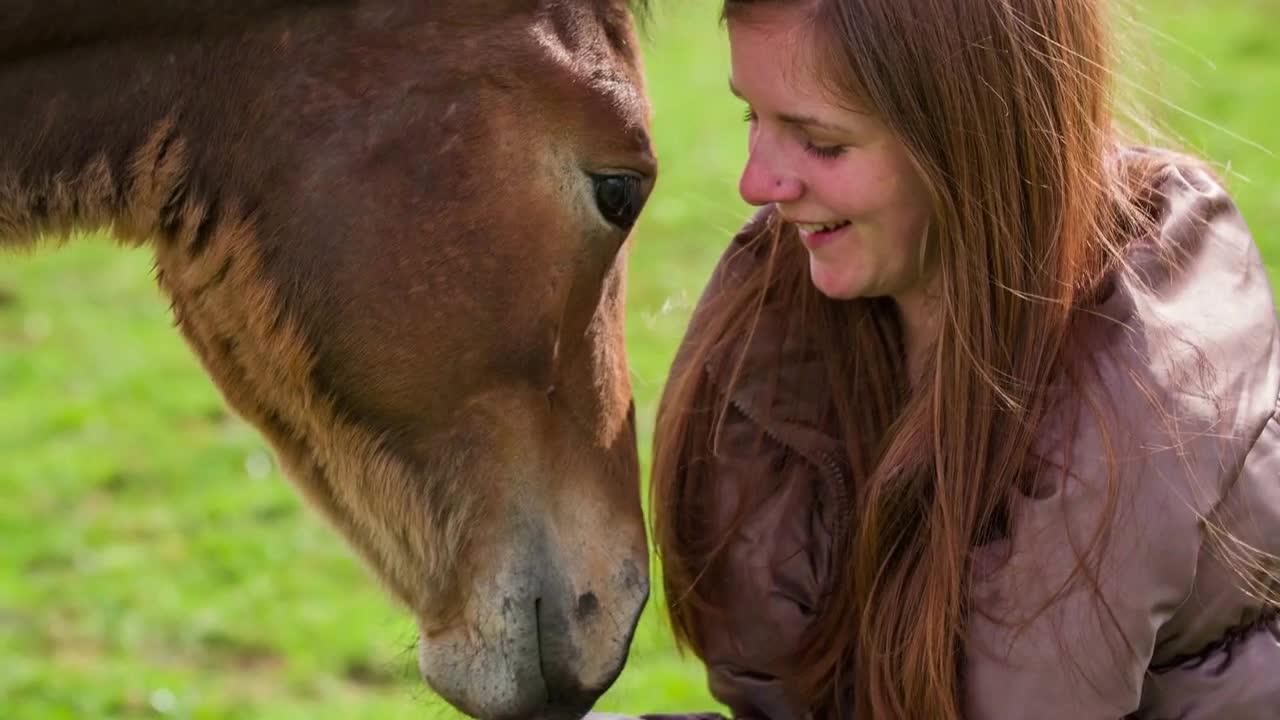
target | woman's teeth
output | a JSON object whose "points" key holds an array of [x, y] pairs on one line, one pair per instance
{"points": [[811, 228]]}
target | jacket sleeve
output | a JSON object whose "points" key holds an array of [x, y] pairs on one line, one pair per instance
{"points": [[765, 583], [1177, 435], [1079, 659]]}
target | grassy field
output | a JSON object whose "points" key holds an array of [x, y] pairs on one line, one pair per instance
{"points": [[154, 563]]}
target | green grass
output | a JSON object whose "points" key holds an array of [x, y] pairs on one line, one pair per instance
{"points": [[154, 563]]}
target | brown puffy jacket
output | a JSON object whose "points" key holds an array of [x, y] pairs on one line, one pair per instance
{"points": [[1206, 649]]}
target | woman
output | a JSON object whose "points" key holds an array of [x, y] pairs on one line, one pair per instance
{"points": [[977, 417]]}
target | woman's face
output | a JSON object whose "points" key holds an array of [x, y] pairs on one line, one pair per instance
{"points": [[840, 176]]}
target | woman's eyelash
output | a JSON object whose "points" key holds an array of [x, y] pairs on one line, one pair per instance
{"points": [[826, 152]]}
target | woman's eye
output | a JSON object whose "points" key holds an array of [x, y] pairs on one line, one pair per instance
{"points": [[826, 152], [619, 198]]}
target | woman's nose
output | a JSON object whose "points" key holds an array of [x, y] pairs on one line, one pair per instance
{"points": [[765, 180]]}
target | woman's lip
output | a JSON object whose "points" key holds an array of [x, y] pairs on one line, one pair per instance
{"points": [[822, 238]]}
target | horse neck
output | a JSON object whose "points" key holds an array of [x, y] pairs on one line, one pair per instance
{"points": [[32, 28], [143, 132]]}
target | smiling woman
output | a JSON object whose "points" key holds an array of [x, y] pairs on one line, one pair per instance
{"points": [[978, 416], [839, 175]]}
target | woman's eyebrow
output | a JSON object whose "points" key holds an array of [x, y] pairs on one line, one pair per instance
{"points": [[798, 120]]}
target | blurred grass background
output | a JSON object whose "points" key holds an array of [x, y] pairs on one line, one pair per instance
{"points": [[154, 563]]}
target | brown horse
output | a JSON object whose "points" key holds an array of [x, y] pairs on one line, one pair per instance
{"points": [[393, 232]]}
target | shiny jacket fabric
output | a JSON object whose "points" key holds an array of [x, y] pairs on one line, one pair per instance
{"points": [[1196, 324]]}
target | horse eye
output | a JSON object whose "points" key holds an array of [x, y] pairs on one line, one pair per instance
{"points": [[619, 198]]}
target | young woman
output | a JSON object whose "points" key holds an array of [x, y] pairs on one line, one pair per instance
{"points": [[977, 417]]}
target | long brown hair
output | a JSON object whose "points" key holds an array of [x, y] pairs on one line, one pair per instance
{"points": [[1005, 109]]}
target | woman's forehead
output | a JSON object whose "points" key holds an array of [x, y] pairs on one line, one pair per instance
{"points": [[779, 72]]}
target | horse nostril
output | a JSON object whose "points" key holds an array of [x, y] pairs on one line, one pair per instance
{"points": [[588, 606]]}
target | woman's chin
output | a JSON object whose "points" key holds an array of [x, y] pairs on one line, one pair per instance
{"points": [[834, 282]]}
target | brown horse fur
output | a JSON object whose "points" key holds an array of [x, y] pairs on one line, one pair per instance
{"points": [[377, 226]]}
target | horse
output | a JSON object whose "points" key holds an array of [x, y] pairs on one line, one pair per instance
{"points": [[394, 232]]}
